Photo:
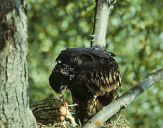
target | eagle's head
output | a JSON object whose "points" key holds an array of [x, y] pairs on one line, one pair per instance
{"points": [[55, 82], [61, 77]]}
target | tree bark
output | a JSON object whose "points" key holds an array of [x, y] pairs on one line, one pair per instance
{"points": [[14, 101], [102, 10]]}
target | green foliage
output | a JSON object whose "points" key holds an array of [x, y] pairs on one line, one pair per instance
{"points": [[135, 34]]}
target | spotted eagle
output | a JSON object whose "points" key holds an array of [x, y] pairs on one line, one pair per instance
{"points": [[92, 75]]}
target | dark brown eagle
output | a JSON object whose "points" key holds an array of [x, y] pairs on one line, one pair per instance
{"points": [[92, 75]]}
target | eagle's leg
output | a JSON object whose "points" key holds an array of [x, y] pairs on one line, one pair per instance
{"points": [[90, 108], [87, 109]]}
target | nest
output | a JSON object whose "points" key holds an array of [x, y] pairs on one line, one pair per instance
{"points": [[54, 113]]}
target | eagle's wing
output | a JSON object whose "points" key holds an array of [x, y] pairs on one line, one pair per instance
{"points": [[97, 68]]}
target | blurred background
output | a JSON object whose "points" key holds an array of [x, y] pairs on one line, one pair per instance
{"points": [[135, 35]]}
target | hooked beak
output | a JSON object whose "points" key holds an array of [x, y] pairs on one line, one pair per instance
{"points": [[62, 90]]}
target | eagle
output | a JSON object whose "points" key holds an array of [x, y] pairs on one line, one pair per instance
{"points": [[92, 76]]}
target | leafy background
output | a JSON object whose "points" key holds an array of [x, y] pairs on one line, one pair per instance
{"points": [[135, 35]]}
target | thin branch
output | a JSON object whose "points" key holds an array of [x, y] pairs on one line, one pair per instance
{"points": [[102, 11], [124, 100]]}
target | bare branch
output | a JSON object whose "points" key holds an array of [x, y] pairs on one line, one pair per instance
{"points": [[125, 99], [102, 10]]}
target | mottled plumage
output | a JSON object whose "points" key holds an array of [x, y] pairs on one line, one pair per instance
{"points": [[91, 75]]}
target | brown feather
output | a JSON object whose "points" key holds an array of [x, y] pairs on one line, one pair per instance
{"points": [[87, 73]]}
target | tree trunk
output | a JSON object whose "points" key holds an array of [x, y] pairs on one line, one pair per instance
{"points": [[14, 102], [102, 11]]}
